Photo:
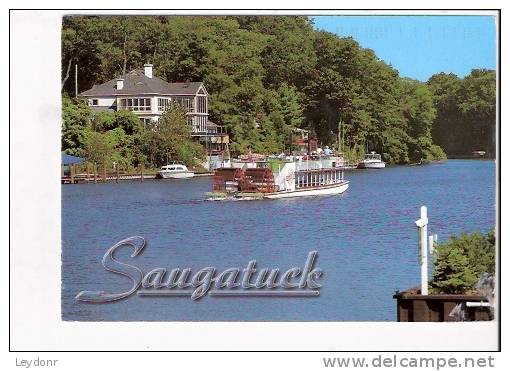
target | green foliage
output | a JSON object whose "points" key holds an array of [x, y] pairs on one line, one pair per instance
{"points": [[419, 113], [435, 153], [76, 122], [355, 154], [460, 262], [170, 140], [107, 137], [269, 74], [99, 148], [396, 149], [466, 112]]}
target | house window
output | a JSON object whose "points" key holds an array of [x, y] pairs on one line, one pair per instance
{"points": [[202, 124], [202, 104], [135, 104], [163, 104], [186, 103], [94, 102]]}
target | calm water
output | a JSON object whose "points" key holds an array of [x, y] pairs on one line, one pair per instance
{"points": [[366, 240]]}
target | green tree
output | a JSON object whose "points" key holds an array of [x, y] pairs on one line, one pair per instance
{"points": [[99, 148], [268, 74], [289, 54], [76, 122], [466, 112], [170, 140], [286, 114], [477, 104], [460, 262], [419, 112], [124, 131]]}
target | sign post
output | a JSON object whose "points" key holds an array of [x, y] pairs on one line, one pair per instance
{"points": [[422, 228]]}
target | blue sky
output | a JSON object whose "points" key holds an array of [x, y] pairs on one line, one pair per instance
{"points": [[420, 46]]}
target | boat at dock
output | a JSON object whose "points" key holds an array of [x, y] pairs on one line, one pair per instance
{"points": [[372, 161], [175, 171], [292, 177]]}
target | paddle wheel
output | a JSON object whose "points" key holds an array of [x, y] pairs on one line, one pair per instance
{"points": [[227, 179], [259, 180]]}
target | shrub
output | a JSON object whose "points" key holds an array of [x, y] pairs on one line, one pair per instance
{"points": [[436, 153], [461, 261]]}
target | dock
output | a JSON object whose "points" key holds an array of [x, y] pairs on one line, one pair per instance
{"points": [[90, 178], [113, 177]]}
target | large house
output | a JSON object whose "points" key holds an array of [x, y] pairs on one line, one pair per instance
{"points": [[148, 96]]}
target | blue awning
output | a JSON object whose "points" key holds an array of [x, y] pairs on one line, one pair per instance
{"points": [[71, 160]]}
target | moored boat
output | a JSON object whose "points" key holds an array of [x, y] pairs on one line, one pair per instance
{"points": [[372, 161], [175, 171], [478, 154]]}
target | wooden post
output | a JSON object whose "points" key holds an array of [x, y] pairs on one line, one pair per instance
{"points": [[95, 173], [88, 172], [71, 171]]}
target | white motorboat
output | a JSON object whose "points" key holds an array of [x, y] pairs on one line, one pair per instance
{"points": [[175, 171], [372, 161]]}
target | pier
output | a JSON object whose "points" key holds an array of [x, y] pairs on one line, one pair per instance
{"points": [[113, 177], [110, 177]]}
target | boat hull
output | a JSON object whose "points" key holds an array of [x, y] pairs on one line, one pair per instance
{"points": [[328, 190], [176, 175], [373, 165]]}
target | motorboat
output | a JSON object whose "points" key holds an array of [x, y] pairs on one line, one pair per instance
{"points": [[372, 161], [175, 171]]}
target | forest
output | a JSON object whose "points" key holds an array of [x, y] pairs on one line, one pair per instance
{"points": [[267, 75]]}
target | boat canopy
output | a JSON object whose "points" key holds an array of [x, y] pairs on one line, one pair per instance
{"points": [[174, 167], [372, 156]]}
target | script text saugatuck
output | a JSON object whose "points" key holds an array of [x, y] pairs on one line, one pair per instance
{"points": [[245, 282]]}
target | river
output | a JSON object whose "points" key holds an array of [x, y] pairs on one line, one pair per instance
{"points": [[366, 240]]}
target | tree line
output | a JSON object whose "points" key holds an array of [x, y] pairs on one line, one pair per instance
{"points": [[267, 75], [466, 112]]}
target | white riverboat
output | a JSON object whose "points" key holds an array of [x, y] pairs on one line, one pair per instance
{"points": [[175, 171], [372, 161], [296, 177]]}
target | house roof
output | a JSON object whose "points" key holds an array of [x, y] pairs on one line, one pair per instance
{"points": [[71, 160], [135, 82]]}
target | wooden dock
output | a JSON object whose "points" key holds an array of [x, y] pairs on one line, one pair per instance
{"points": [[88, 178], [112, 177]]}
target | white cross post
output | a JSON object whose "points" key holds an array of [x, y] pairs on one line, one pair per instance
{"points": [[422, 227]]}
